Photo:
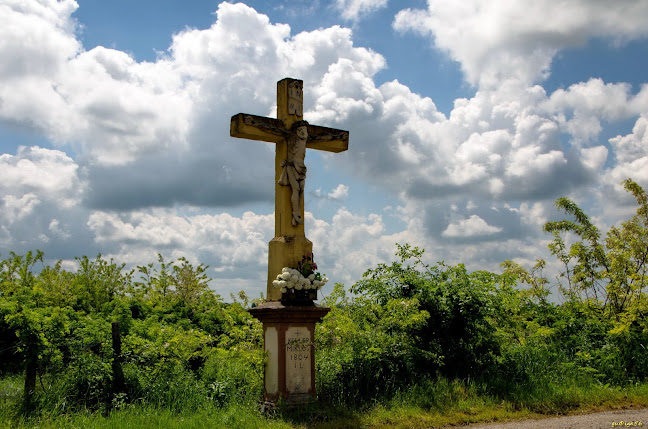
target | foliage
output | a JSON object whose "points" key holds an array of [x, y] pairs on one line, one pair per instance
{"points": [[613, 271], [366, 350], [601, 329], [407, 322], [433, 337], [458, 336], [174, 332]]}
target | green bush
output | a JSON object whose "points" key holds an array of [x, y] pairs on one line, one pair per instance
{"points": [[234, 376]]}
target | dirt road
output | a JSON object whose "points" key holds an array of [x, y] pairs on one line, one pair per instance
{"points": [[604, 420]]}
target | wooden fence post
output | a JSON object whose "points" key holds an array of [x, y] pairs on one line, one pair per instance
{"points": [[31, 368]]}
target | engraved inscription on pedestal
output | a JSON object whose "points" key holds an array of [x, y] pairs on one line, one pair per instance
{"points": [[298, 359]]}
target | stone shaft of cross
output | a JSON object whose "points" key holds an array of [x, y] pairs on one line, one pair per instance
{"points": [[292, 136]]}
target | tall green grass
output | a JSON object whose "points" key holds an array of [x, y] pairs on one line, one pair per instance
{"points": [[234, 416], [428, 403]]}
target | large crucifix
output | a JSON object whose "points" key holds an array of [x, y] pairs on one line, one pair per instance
{"points": [[292, 136]]}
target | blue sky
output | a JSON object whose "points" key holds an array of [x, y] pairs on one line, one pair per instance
{"points": [[467, 121]]}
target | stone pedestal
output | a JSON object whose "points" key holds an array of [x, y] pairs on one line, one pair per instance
{"points": [[288, 337]]}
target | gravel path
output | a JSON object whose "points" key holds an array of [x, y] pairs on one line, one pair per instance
{"points": [[607, 420]]}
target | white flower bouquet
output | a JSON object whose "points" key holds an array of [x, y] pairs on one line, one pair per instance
{"points": [[303, 277]]}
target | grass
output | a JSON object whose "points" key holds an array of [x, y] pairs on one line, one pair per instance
{"points": [[429, 404], [475, 408], [455, 403], [147, 417]]}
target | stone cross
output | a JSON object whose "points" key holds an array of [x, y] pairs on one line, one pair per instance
{"points": [[292, 136]]}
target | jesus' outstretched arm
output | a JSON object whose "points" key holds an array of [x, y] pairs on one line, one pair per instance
{"points": [[265, 125], [328, 136]]}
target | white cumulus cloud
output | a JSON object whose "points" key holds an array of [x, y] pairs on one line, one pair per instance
{"points": [[354, 9], [44, 172], [500, 39], [339, 193], [473, 226]]}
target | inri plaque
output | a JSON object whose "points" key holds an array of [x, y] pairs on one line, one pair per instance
{"points": [[295, 98]]}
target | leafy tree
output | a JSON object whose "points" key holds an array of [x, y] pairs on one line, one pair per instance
{"points": [[613, 271], [190, 282], [97, 282], [26, 310], [628, 260], [602, 327], [155, 280]]}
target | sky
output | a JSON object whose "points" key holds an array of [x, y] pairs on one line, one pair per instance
{"points": [[467, 120]]}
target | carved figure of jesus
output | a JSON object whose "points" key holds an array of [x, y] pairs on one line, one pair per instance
{"points": [[294, 169]]}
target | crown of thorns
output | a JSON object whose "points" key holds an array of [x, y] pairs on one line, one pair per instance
{"points": [[299, 124]]}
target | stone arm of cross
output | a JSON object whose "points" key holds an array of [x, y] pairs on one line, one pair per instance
{"points": [[328, 136], [266, 124]]}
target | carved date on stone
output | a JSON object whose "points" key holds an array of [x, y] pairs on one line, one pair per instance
{"points": [[298, 360]]}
